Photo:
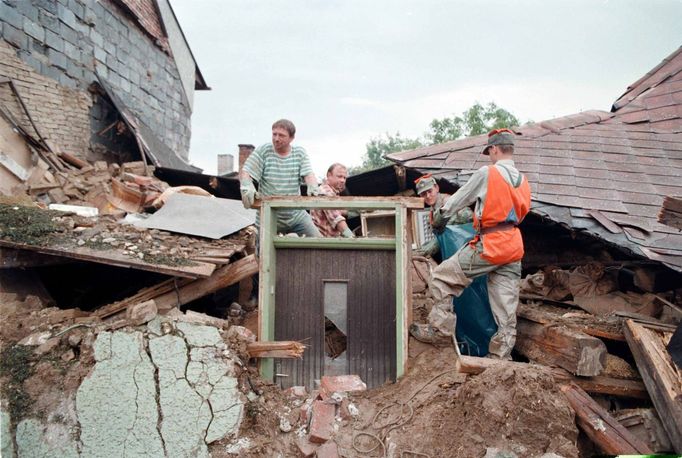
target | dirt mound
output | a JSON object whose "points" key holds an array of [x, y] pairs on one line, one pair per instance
{"points": [[435, 411], [510, 409]]}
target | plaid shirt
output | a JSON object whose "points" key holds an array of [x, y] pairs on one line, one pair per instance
{"points": [[327, 220]]}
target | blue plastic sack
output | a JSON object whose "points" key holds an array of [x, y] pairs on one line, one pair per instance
{"points": [[475, 323]]}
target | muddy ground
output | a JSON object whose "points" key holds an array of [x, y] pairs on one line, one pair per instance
{"points": [[432, 411]]}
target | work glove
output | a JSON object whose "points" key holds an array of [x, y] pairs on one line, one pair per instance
{"points": [[249, 193], [347, 233], [314, 190], [439, 221]]}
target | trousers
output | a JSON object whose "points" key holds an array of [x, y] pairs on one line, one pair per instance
{"points": [[457, 272]]}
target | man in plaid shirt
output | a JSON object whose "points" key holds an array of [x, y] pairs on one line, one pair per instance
{"points": [[332, 223]]}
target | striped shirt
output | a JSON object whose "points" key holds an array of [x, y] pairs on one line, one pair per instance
{"points": [[277, 175]]}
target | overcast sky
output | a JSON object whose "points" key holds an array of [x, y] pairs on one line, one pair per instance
{"points": [[347, 71]]}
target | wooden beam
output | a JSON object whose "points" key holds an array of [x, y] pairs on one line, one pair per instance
{"points": [[113, 258], [283, 349], [343, 202], [11, 258], [221, 278], [661, 377], [603, 327], [335, 243], [560, 346], [610, 436], [597, 385]]}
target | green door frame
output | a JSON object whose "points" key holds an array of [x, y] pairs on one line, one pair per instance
{"points": [[269, 242]]}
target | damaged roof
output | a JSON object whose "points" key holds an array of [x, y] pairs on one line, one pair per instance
{"points": [[603, 172]]}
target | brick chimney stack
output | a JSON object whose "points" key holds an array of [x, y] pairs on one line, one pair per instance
{"points": [[245, 151], [225, 164]]}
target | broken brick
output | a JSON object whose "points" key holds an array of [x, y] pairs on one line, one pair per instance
{"points": [[328, 450], [342, 383], [306, 447], [296, 392], [322, 423]]}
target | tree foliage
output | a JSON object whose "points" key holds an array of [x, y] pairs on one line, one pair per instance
{"points": [[379, 147], [476, 120]]}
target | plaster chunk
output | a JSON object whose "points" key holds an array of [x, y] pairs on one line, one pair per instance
{"points": [[154, 326], [201, 336], [116, 404], [6, 444], [186, 415], [228, 410], [37, 440]]}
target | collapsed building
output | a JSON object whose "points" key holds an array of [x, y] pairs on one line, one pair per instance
{"points": [[132, 331]]}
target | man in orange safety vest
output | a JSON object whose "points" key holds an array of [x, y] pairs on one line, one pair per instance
{"points": [[502, 197]]}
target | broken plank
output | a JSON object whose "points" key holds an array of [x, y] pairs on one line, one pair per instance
{"points": [[597, 385], [113, 258], [610, 436], [143, 295], [556, 345], [73, 160], [348, 202], [281, 349], [221, 278], [608, 327], [11, 258], [661, 377]]}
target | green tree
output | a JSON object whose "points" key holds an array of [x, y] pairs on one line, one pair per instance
{"points": [[379, 147], [476, 120]]}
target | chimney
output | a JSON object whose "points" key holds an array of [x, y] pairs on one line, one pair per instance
{"points": [[225, 164], [244, 152]]}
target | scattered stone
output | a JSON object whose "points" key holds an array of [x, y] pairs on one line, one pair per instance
{"points": [[296, 392], [306, 447], [141, 313], [328, 450], [69, 355], [75, 338], [285, 425], [48, 346], [201, 318]]}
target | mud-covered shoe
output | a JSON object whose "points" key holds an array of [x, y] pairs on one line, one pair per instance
{"points": [[498, 357], [426, 333]]}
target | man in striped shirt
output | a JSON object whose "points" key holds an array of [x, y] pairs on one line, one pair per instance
{"points": [[278, 168]]}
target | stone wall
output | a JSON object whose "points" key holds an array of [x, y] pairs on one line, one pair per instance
{"points": [[68, 41]]}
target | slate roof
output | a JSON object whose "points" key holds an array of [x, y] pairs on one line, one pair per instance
{"points": [[603, 172]]}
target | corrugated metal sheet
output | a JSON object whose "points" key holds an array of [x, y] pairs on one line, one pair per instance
{"points": [[299, 306]]}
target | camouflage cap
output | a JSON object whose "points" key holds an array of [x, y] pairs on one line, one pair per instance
{"points": [[499, 137], [424, 183]]}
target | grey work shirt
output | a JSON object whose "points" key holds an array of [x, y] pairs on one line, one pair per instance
{"points": [[476, 188]]}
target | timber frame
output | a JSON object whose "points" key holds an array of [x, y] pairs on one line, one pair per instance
{"points": [[401, 244]]}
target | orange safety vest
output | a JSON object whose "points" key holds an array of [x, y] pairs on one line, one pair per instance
{"points": [[505, 207]]}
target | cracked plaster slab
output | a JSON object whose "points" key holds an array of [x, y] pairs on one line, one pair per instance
{"points": [[198, 390], [6, 444], [172, 400], [37, 440], [116, 404]]}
